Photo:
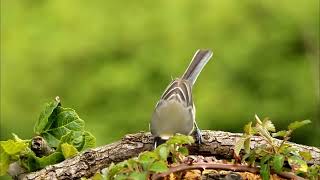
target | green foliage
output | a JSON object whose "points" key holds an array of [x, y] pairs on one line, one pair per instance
{"points": [[97, 176], [180, 139], [10, 151], [150, 162], [12, 147], [297, 164], [265, 171], [68, 150], [62, 130], [298, 124], [305, 155], [79, 139], [32, 163], [278, 161], [61, 121], [239, 145], [159, 167], [4, 162], [163, 152], [313, 172], [137, 176], [44, 120], [282, 134], [272, 155]]}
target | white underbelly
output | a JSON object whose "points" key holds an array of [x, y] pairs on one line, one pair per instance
{"points": [[172, 117]]}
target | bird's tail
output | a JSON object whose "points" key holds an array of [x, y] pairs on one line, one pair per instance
{"points": [[199, 60]]}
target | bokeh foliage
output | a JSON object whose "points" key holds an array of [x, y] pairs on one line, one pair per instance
{"points": [[110, 61]]}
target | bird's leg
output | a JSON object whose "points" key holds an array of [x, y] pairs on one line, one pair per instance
{"points": [[158, 141], [197, 134]]}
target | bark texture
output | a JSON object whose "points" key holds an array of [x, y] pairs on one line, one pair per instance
{"points": [[86, 164]]}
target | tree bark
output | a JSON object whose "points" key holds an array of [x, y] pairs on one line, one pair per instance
{"points": [[215, 143]]}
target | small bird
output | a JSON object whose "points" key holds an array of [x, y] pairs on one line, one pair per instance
{"points": [[175, 111]]}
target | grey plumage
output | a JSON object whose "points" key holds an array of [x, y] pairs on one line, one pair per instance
{"points": [[199, 60], [175, 111]]}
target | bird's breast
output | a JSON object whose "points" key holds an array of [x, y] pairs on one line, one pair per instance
{"points": [[171, 117]]}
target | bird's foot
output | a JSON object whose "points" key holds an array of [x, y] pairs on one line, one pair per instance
{"points": [[198, 137]]}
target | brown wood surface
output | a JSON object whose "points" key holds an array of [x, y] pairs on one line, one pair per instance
{"points": [[215, 143]]}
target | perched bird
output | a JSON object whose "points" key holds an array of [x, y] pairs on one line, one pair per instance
{"points": [[175, 111]]}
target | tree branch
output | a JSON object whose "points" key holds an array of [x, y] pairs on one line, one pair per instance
{"points": [[86, 164]]}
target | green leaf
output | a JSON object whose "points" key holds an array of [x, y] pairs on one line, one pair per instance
{"points": [[286, 149], [158, 167], [278, 161], [298, 124], [121, 177], [305, 155], [265, 171], [147, 158], [263, 132], [313, 172], [16, 138], [4, 162], [66, 120], [238, 146], [180, 139], [79, 139], [32, 162], [247, 145], [89, 141], [297, 164], [12, 147], [183, 150], [51, 159], [163, 151], [252, 158], [73, 137], [265, 159], [54, 124], [68, 150], [133, 164], [115, 169], [9, 152], [51, 140], [267, 124], [282, 133], [138, 176], [257, 119], [248, 129], [43, 120], [97, 176], [261, 150]]}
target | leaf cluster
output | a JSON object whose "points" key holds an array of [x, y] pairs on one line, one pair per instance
{"points": [[60, 134], [273, 156], [149, 162]]}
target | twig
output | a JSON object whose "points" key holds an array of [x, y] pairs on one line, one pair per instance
{"points": [[230, 167]]}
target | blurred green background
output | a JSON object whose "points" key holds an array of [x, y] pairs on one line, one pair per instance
{"points": [[111, 61]]}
